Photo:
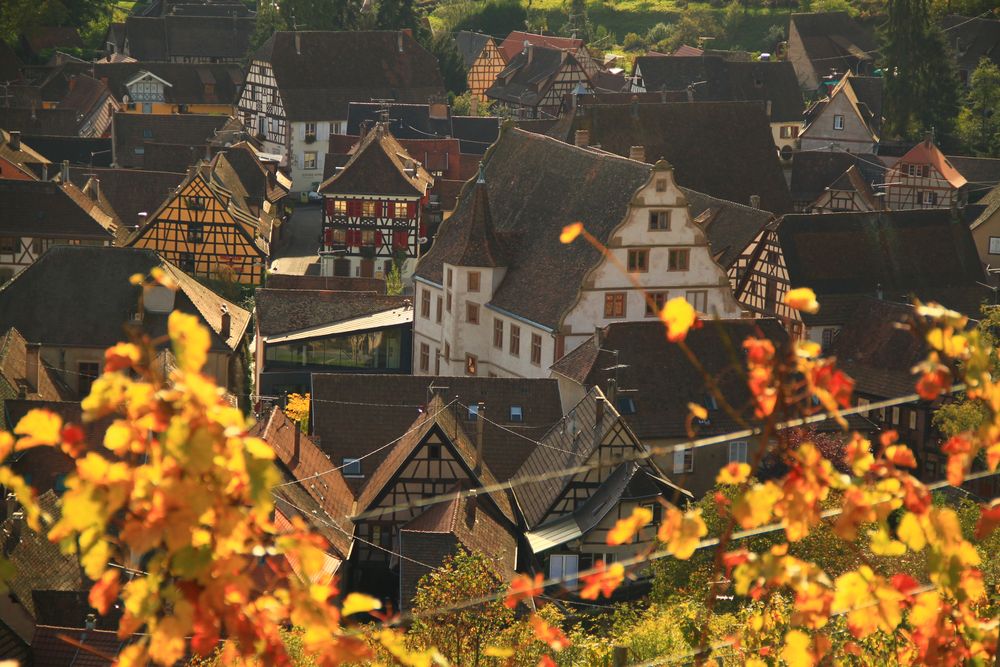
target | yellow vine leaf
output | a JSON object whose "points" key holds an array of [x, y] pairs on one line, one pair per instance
{"points": [[883, 545], [734, 473], [625, 529], [803, 299], [697, 411], [498, 652], [190, 341], [570, 232], [678, 316], [358, 603], [38, 427], [796, 652], [682, 531], [911, 532]]}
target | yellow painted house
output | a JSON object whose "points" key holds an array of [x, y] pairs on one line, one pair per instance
{"points": [[212, 227]]}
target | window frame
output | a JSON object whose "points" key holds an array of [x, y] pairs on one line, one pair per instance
{"points": [[838, 121], [425, 303], [741, 448], [638, 260], [310, 162], [536, 349], [683, 461], [471, 312], [473, 281], [659, 221], [425, 357], [612, 301], [498, 333], [347, 464], [515, 340], [673, 259], [659, 299]]}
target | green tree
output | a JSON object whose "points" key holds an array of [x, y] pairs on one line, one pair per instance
{"points": [[17, 16], [393, 281], [461, 636], [497, 17], [978, 125], [921, 85], [450, 62], [269, 21], [321, 14], [397, 14], [964, 414]]}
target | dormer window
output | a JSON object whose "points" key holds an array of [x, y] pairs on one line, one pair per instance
{"points": [[516, 413], [625, 405], [351, 467], [838, 122]]}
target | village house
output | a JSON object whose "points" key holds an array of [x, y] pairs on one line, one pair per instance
{"points": [[848, 119], [824, 43], [716, 79], [849, 193], [372, 213], [986, 229], [25, 376], [498, 294], [517, 41], [75, 301], [815, 171], [535, 81], [133, 135], [722, 149], [78, 151], [483, 62], [210, 226], [90, 98], [127, 195], [924, 178], [299, 85], [39, 41], [18, 161], [40, 214]]}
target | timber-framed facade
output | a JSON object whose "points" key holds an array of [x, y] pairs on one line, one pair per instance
{"points": [[485, 69], [760, 281]]}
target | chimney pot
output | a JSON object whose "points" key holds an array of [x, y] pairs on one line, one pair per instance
{"points": [[15, 139], [754, 201], [530, 50], [637, 153], [32, 361], [598, 412], [582, 138]]}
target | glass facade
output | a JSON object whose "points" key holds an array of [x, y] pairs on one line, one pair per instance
{"points": [[371, 350]]}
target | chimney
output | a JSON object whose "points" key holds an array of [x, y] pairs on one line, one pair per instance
{"points": [[928, 139], [598, 336], [754, 201], [65, 172], [72, 83], [45, 171], [226, 321], [612, 393], [142, 218], [399, 40], [480, 420], [598, 412], [32, 360], [767, 108], [298, 44], [690, 92], [15, 139], [530, 50], [637, 153], [94, 188], [582, 138]]}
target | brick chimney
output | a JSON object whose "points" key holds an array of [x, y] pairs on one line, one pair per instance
{"points": [[582, 138], [637, 153], [15, 139], [226, 323], [298, 44], [32, 361], [530, 50]]}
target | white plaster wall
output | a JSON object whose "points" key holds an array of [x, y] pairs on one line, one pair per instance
{"points": [[855, 136]]}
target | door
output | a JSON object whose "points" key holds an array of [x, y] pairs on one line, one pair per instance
{"points": [[368, 268]]}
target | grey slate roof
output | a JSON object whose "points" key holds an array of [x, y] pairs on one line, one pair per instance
{"points": [[526, 80], [50, 210], [134, 130], [470, 45], [163, 38], [286, 310]]}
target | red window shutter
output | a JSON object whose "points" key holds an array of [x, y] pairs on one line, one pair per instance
{"points": [[378, 209], [423, 230], [400, 239], [328, 236], [353, 237], [329, 207], [378, 239], [354, 208], [411, 209]]}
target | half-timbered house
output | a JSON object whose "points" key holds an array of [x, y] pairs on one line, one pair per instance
{"points": [[299, 85], [483, 62], [209, 228], [850, 192], [923, 178], [848, 119], [372, 209], [40, 214], [535, 81], [515, 42], [759, 279], [497, 294]]}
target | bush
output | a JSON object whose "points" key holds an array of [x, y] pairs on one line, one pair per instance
{"points": [[634, 42]]}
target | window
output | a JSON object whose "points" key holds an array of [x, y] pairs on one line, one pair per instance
{"points": [[471, 364], [368, 237], [679, 259], [659, 221], [368, 208], [472, 313], [309, 160], [186, 261], [515, 340], [399, 209], [838, 122], [88, 372], [661, 185], [516, 413], [147, 133], [698, 299], [437, 310], [195, 232], [658, 300], [195, 203], [448, 279], [614, 304], [310, 130], [498, 333], [139, 150], [13, 243], [829, 334], [425, 304], [472, 413], [434, 451], [895, 416], [351, 467], [564, 567], [339, 235], [536, 349], [929, 198], [447, 303], [738, 451], [340, 207], [437, 361], [473, 281], [913, 420], [447, 351], [789, 131], [863, 404], [638, 261], [995, 245], [625, 405], [683, 460], [917, 170], [425, 357]]}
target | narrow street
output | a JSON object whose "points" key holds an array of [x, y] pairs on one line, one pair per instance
{"points": [[295, 252]]}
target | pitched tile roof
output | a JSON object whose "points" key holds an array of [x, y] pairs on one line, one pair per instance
{"points": [[53, 300], [173, 36], [852, 181], [529, 74], [926, 152], [285, 281], [475, 133], [981, 173], [626, 351], [715, 79], [470, 45], [729, 226], [354, 415], [84, 94], [319, 79], [33, 121], [14, 374], [814, 171], [331, 498], [286, 310], [10, 64], [898, 251], [132, 131], [724, 149], [51, 210], [39, 38], [187, 80], [379, 165], [834, 40], [24, 157], [481, 246], [129, 192], [48, 647], [514, 43], [405, 121], [90, 151]]}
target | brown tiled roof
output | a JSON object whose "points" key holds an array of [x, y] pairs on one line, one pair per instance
{"points": [[323, 483], [317, 81], [10, 64], [54, 301], [168, 37], [379, 165], [522, 170], [470, 45], [714, 79], [14, 374], [24, 157], [85, 94], [526, 79], [724, 149], [982, 173], [900, 252], [729, 226], [48, 647], [129, 192], [441, 420], [286, 310], [661, 397], [852, 181], [134, 130], [71, 413], [285, 281], [49, 37], [514, 43], [187, 80], [50, 210], [354, 415], [33, 120], [834, 40], [481, 246], [814, 171]]}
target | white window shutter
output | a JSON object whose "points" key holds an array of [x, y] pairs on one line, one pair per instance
{"points": [[678, 461]]}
